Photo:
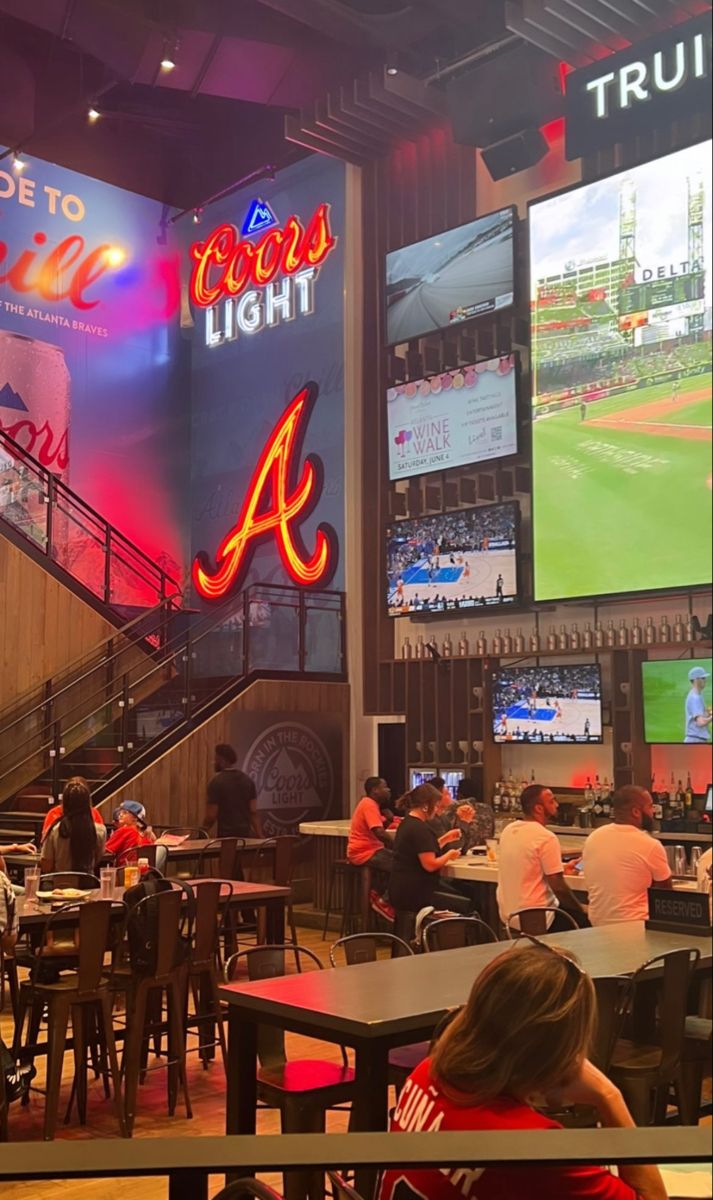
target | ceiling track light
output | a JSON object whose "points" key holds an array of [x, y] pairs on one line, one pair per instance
{"points": [[93, 113], [197, 214], [18, 161], [169, 56]]}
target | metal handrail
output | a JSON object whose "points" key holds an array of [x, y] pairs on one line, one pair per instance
{"points": [[56, 489]]}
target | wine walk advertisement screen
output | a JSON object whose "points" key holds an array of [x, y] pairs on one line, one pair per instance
{"points": [[454, 561], [677, 702], [450, 278], [548, 705], [621, 360], [454, 419]]}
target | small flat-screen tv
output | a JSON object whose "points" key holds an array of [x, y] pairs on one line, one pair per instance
{"points": [[548, 705], [453, 420], [454, 561], [452, 779], [677, 702], [453, 277]]}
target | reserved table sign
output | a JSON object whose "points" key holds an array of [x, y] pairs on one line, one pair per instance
{"points": [[679, 912]]}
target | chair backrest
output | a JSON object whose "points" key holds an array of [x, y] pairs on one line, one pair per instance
{"points": [[155, 855], [229, 859], [677, 968], [341, 1190], [364, 948], [613, 994], [208, 896], [285, 854], [154, 932], [69, 879], [268, 962], [190, 832], [533, 921], [90, 925], [455, 933], [247, 1187]]}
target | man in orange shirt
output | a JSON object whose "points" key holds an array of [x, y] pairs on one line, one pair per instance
{"points": [[369, 844]]}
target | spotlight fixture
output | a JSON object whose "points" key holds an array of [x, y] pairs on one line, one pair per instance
{"points": [[392, 70], [197, 214], [18, 163], [93, 114], [169, 58]]}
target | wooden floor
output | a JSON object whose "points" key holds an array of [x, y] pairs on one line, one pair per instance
{"points": [[207, 1089]]}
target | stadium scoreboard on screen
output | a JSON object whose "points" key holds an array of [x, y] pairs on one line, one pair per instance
{"points": [[661, 293]]}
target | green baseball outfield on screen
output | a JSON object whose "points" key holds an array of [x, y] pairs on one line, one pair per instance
{"points": [[670, 697], [621, 364]]}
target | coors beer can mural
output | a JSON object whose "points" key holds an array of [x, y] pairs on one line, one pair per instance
{"points": [[35, 399]]}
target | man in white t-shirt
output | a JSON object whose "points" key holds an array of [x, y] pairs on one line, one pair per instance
{"points": [[531, 874], [622, 861]]}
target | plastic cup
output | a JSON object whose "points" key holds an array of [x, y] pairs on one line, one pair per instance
{"points": [[107, 879], [32, 882], [492, 848]]}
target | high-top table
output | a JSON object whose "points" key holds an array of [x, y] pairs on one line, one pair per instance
{"points": [[378, 1006]]}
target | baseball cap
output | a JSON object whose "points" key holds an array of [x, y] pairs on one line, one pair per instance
{"points": [[137, 810], [698, 673]]}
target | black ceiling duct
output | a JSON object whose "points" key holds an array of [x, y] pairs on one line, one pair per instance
{"points": [[17, 98]]}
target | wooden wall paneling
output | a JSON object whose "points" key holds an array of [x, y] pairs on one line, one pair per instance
{"points": [[173, 788], [429, 710], [461, 714], [416, 751], [399, 692], [444, 705]]}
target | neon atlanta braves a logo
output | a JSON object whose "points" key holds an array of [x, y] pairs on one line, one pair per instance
{"points": [[276, 504]]}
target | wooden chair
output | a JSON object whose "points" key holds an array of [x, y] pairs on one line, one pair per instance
{"points": [[696, 1057], [341, 1190], [284, 853], [155, 855], [83, 993], [303, 1090], [212, 895], [364, 948], [9, 978], [533, 921], [647, 1073], [247, 1187], [455, 933]]}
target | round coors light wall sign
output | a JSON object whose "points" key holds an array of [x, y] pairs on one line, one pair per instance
{"points": [[293, 775]]}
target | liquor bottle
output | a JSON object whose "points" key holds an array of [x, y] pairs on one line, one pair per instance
{"points": [[420, 648], [507, 643], [497, 798], [463, 647], [535, 642], [532, 777], [598, 808], [563, 639], [606, 804], [598, 794], [650, 632], [680, 799], [637, 636], [519, 643], [552, 638], [588, 637], [689, 792], [623, 635], [664, 630], [690, 635], [659, 807], [611, 634], [407, 648], [505, 804], [498, 643], [482, 645], [447, 646], [575, 640], [598, 635], [679, 631], [589, 794]]}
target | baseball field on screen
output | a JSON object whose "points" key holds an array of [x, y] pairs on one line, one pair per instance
{"points": [[623, 497], [666, 688]]}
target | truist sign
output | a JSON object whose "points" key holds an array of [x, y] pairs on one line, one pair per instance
{"points": [[257, 280], [652, 83]]}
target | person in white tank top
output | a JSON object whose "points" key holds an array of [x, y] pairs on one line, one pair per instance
{"points": [[622, 861]]}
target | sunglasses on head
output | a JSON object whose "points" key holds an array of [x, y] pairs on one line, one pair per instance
{"points": [[574, 967]]}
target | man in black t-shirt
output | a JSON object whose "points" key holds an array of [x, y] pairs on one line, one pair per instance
{"points": [[232, 799]]}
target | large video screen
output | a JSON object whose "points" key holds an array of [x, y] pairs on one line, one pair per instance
{"points": [[453, 277], [548, 705], [621, 363], [459, 560], [454, 419], [677, 702]]}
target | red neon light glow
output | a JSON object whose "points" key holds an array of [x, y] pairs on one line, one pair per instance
{"points": [[276, 503], [225, 265], [65, 272]]}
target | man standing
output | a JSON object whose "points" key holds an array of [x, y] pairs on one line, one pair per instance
{"points": [[698, 713], [369, 844], [232, 799], [530, 861], [622, 861], [500, 588]]}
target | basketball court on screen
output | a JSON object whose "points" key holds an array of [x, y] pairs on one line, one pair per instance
{"points": [[557, 717], [470, 577]]}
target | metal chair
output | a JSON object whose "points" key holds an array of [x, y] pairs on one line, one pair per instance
{"points": [[455, 933], [211, 895], [303, 1090], [364, 948], [696, 1056], [80, 880], [533, 921], [284, 853], [341, 1190], [247, 1187], [647, 1073], [155, 855]]}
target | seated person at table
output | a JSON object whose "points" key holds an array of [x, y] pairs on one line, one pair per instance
{"points": [[55, 814], [369, 844], [475, 819], [419, 857], [444, 818], [522, 1040], [133, 832], [705, 871], [622, 861], [231, 804], [531, 873], [17, 1078], [76, 843]]}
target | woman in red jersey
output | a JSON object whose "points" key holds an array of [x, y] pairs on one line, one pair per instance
{"points": [[521, 1040]]}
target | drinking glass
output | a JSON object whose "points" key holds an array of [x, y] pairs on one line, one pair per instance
{"points": [[492, 848], [696, 855], [32, 882], [680, 864], [107, 878]]}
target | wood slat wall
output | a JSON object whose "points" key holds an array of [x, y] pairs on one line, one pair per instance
{"points": [[43, 626], [173, 788]]}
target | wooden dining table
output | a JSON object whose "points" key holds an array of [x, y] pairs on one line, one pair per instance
{"points": [[376, 1007]]}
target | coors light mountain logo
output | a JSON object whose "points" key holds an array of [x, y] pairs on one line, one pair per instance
{"points": [[293, 775]]}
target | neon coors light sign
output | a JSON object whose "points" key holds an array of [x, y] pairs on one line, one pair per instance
{"points": [[246, 286]]}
